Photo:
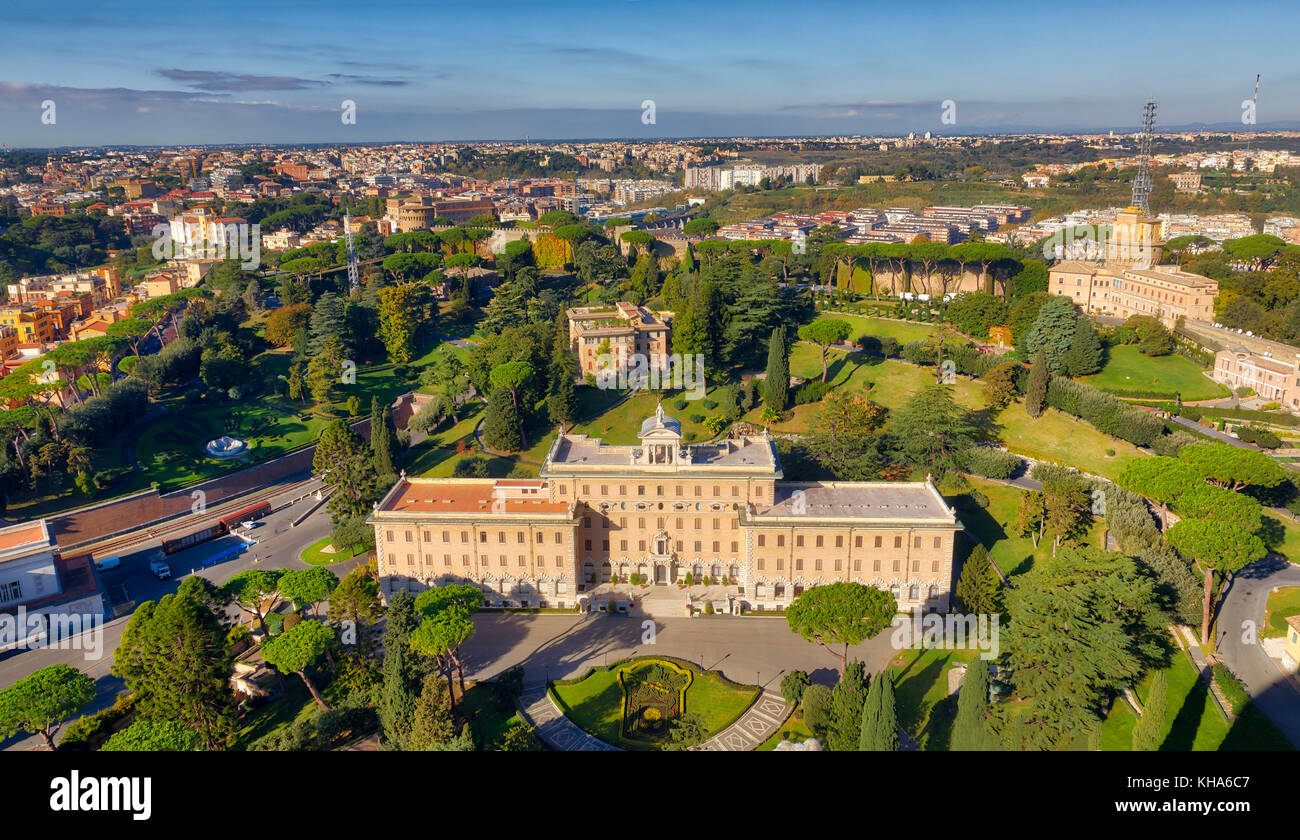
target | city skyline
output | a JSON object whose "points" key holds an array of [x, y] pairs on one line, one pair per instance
{"points": [[146, 76]]}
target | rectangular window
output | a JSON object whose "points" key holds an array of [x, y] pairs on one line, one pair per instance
{"points": [[857, 542], [586, 545], [762, 540], [586, 489], [760, 564], [586, 521], [898, 542], [640, 489], [938, 541], [798, 541], [408, 536], [523, 561], [798, 564], [697, 546], [916, 542], [878, 541], [410, 559], [604, 490], [482, 536], [446, 536], [780, 563], [640, 545], [839, 542], [735, 546], [390, 536], [539, 537], [780, 540], [520, 538], [622, 545], [559, 538], [896, 564], [604, 545], [427, 537], [875, 565], [446, 559], [716, 546]]}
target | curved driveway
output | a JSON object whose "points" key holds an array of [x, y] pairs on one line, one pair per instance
{"points": [[1247, 595]]}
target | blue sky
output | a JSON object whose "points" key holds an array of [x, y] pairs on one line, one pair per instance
{"points": [[237, 71]]}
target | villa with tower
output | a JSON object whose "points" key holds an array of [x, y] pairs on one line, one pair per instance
{"points": [[666, 512]]}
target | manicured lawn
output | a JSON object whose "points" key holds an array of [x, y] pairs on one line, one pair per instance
{"points": [[993, 527], [904, 331], [315, 554], [595, 702], [1129, 370], [1192, 721], [621, 425], [925, 709], [1282, 536], [172, 453], [794, 729], [1282, 602], [1060, 438]]}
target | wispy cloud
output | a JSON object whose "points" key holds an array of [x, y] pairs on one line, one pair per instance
{"points": [[220, 81]]}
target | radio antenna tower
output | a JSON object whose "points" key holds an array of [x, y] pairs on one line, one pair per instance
{"points": [[1142, 181], [1254, 117], [353, 279]]}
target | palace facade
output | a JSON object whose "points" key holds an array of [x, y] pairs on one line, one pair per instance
{"points": [[600, 513]]}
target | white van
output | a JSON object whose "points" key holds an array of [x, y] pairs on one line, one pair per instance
{"points": [[106, 563]]}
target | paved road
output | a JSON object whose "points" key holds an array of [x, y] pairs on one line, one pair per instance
{"points": [[745, 649], [278, 548], [1244, 601]]}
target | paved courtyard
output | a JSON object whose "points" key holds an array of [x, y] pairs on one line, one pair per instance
{"points": [[750, 650]]}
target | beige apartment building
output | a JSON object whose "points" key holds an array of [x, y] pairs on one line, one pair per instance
{"points": [[1272, 379], [622, 330], [600, 513], [1165, 292]]}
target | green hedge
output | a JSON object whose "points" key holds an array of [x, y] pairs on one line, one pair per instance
{"points": [[1238, 698]]}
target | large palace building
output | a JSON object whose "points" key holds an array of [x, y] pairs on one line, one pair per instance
{"points": [[600, 513]]}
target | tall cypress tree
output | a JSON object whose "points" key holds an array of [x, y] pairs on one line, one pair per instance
{"points": [[503, 428], [381, 439], [397, 700], [776, 385], [1036, 388], [879, 729], [847, 699], [887, 723], [1084, 354], [968, 730], [977, 588], [870, 715], [1146, 735], [562, 395]]}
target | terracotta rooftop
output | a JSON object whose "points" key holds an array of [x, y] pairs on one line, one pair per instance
{"points": [[17, 535], [461, 497]]}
